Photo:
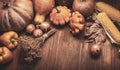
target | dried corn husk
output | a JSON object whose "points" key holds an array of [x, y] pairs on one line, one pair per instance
{"points": [[112, 12], [111, 30]]}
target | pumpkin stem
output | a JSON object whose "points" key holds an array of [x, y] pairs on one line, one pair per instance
{"points": [[6, 5], [12, 40], [58, 11]]}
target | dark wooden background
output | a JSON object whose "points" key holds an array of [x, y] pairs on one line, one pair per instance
{"points": [[63, 51]]}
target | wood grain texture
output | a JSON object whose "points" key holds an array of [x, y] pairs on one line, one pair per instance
{"points": [[66, 52], [63, 51]]}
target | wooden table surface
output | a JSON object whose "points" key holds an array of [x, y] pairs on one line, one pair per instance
{"points": [[63, 51]]}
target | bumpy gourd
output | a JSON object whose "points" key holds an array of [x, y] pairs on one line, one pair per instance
{"points": [[76, 22], [60, 15]]}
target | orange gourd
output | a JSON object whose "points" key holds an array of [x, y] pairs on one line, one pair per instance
{"points": [[60, 15], [76, 22]]}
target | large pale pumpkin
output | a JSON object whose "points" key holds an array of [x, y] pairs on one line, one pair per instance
{"points": [[15, 14]]}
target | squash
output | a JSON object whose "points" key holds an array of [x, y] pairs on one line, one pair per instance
{"points": [[77, 21], [15, 14], [60, 15], [42, 8], [85, 7]]}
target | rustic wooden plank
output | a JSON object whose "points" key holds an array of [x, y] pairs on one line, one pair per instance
{"points": [[115, 59], [63, 51], [66, 52], [106, 56]]}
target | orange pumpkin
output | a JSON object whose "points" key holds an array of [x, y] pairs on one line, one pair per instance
{"points": [[60, 15]]}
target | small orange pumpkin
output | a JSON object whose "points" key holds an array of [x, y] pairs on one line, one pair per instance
{"points": [[76, 22], [60, 15]]}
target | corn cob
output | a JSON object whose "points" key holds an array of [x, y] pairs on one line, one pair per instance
{"points": [[109, 26], [112, 12]]}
